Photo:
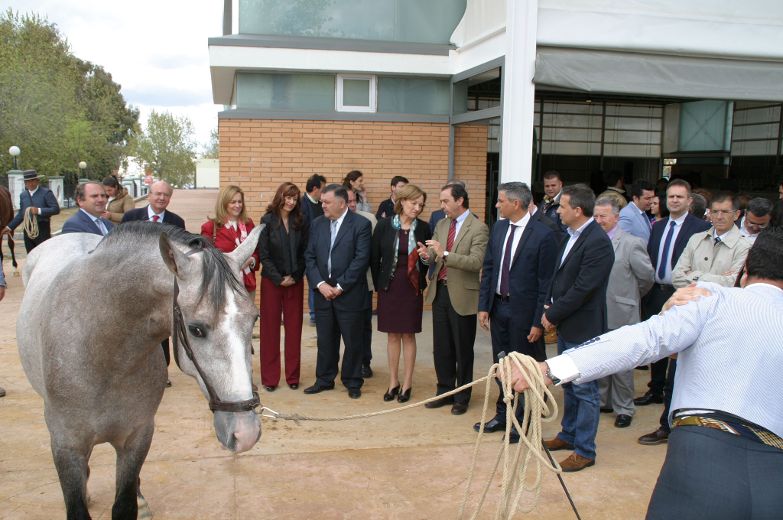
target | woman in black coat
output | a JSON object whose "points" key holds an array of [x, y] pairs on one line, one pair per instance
{"points": [[400, 277]]}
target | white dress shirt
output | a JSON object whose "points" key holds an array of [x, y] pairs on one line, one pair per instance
{"points": [[520, 228], [573, 236], [667, 279], [151, 213]]}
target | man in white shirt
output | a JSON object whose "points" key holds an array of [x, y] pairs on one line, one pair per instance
{"points": [[757, 218]]}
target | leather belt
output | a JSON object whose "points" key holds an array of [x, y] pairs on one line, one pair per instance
{"points": [[501, 298], [443, 282], [663, 286]]}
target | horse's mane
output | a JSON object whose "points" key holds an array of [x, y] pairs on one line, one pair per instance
{"points": [[6, 207], [217, 274]]}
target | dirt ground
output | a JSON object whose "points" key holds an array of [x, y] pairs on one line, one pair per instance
{"points": [[412, 465]]}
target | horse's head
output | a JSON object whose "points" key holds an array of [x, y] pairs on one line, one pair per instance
{"points": [[215, 333]]}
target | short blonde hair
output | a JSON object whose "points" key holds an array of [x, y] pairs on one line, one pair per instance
{"points": [[224, 198], [407, 192]]}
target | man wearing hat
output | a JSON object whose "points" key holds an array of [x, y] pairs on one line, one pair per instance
{"points": [[42, 204]]}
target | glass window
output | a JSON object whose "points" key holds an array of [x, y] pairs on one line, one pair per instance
{"points": [[413, 95], [296, 92], [355, 93], [478, 92]]}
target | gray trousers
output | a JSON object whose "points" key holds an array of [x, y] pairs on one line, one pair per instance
{"points": [[617, 391], [717, 475]]}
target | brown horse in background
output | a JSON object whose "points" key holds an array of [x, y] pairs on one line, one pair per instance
{"points": [[6, 214]]}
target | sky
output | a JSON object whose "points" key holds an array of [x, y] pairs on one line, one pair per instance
{"points": [[155, 49]]}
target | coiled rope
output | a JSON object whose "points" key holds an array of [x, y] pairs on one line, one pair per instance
{"points": [[539, 406], [30, 223]]}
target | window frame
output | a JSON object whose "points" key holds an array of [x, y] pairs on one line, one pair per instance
{"points": [[373, 98]]}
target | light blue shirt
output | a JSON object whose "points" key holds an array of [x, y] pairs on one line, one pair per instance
{"points": [[573, 236], [730, 353]]}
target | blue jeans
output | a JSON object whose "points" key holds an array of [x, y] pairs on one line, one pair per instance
{"points": [[581, 410]]}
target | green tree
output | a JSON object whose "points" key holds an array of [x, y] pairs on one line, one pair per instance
{"points": [[167, 146], [212, 150]]}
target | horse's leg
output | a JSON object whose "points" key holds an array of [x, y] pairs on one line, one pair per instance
{"points": [[130, 457], [71, 464]]}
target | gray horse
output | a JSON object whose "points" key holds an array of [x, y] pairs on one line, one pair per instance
{"points": [[89, 330]]}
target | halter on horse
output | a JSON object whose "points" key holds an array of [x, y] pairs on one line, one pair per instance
{"points": [[90, 325]]}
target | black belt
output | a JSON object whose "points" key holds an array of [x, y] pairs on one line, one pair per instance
{"points": [[663, 286], [502, 298], [443, 282]]}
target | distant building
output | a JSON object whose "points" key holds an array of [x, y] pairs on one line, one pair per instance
{"points": [[207, 173]]}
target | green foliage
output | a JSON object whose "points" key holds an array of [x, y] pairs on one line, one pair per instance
{"points": [[57, 108], [167, 146], [212, 149]]}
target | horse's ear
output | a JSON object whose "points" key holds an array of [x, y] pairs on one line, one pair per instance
{"points": [[246, 248], [172, 256]]}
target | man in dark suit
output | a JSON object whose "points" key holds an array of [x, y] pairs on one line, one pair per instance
{"points": [[386, 208], [516, 275], [553, 189], [337, 258], [42, 203], [577, 307], [311, 209], [455, 254], [91, 198], [674, 230], [159, 199]]}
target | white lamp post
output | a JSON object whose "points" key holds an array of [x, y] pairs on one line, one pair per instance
{"points": [[15, 151], [82, 167]]}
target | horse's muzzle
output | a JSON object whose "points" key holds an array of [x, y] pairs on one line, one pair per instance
{"points": [[237, 431]]}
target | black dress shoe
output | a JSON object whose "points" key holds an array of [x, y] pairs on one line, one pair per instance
{"points": [[648, 398], [293, 386], [366, 371], [439, 403], [459, 408], [491, 426], [659, 436], [405, 396], [318, 387], [354, 393], [391, 394], [269, 388], [168, 385], [513, 438], [606, 409], [622, 421]]}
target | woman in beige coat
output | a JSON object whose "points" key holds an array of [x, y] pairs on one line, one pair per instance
{"points": [[119, 200]]}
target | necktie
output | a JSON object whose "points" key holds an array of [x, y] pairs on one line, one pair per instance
{"points": [[333, 235], [443, 273], [99, 223], [717, 240], [155, 218], [505, 271], [665, 255]]}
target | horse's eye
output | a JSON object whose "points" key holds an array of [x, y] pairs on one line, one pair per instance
{"points": [[197, 331]]}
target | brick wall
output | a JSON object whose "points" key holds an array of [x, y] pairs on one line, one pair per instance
{"points": [[258, 155]]}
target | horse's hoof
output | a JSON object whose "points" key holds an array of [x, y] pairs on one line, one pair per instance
{"points": [[145, 512]]}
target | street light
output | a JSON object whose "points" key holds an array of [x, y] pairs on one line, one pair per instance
{"points": [[15, 151], [82, 167]]}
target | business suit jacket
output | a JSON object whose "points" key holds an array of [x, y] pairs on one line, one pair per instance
{"points": [[578, 289], [81, 222], [631, 277], [690, 226], [550, 210], [350, 260], [539, 216], [382, 256], [43, 198], [704, 261], [464, 264], [275, 246], [633, 221], [169, 217]]}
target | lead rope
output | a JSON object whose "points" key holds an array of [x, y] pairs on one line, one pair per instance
{"points": [[30, 223], [540, 406]]}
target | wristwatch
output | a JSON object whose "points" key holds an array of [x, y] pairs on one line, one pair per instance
{"points": [[445, 254], [555, 380]]}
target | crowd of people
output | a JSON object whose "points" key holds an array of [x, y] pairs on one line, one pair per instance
{"points": [[577, 263]]}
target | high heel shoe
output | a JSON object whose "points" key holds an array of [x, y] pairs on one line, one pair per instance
{"points": [[391, 394], [404, 396]]}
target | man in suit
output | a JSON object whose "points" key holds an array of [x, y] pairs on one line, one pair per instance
{"points": [[633, 218], [91, 198], [42, 203], [156, 212], [667, 242], [367, 336], [553, 188], [577, 307], [455, 254], [311, 209], [516, 274], [159, 199], [386, 208], [630, 279], [337, 258]]}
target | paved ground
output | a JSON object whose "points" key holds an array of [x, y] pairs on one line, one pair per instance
{"points": [[412, 465]]}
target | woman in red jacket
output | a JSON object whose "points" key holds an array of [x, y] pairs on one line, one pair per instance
{"points": [[230, 228]]}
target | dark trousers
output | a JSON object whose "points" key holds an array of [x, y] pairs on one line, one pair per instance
{"points": [[330, 325], [508, 337], [717, 475], [44, 233], [367, 336], [667, 394], [453, 337], [166, 351], [288, 301], [652, 305]]}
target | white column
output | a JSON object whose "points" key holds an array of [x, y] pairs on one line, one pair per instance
{"points": [[516, 158]]}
